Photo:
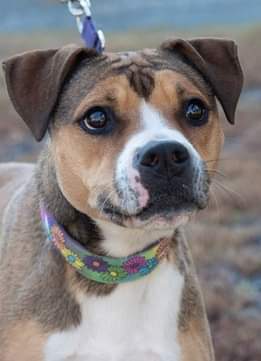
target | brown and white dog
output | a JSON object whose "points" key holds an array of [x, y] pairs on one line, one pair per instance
{"points": [[133, 141]]}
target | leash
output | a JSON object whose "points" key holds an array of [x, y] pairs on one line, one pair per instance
{"points": [[81, 10]]}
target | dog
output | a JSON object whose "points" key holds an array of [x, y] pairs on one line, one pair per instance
{"points": [[94, 264]]}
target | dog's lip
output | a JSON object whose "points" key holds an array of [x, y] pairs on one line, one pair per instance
{"points": [[168, 218], [116, 212]]}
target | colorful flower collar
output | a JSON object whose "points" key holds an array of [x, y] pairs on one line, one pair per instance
{"points": [[100, 268]]}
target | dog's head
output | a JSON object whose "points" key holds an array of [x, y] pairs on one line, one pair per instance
{"points": [[135, 137]]}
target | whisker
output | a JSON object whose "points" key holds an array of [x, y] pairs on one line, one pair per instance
{"points": [[218, 160], [232, 193], [216, 203], [216, 172]]}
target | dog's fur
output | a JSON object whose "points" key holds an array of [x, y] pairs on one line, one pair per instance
{"points": [[48, 312]]}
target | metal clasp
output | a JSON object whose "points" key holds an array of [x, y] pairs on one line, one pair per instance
{"points": [[79, 9]]}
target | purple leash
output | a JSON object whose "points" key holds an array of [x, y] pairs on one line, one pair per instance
{"points": [[93, 38], [90, 35]]}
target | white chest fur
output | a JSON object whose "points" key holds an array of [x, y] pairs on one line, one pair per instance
{"points": [[137, 322]]}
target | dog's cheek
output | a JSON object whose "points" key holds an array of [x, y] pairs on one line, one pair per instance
{"points": [[70, 183], [85, 169], [73, 170], [214, 149], [209, 143]]}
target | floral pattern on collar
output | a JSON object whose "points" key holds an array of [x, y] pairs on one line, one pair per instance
{"points": [[103, 269]]}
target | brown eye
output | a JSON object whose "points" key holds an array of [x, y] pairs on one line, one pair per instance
{"points": [[196, 113], [97, 120]]}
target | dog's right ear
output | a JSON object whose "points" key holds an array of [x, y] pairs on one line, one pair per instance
{"points": [[35, 79], [217, 61]]}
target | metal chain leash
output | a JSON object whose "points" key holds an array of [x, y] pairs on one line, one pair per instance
{"points": [[81, 10]]}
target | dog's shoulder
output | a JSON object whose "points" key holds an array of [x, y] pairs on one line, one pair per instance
{"points": [[12, 177], [14, 173]]}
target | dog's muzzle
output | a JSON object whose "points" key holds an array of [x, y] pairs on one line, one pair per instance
{"points": [[162, 179], [172, 176]]}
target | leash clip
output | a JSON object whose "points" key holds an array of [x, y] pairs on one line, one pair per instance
{"points": [[79, 9]]}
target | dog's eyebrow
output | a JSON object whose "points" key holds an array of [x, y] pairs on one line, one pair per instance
{"points": [[111, 97], [182, 92], [108, 99]]}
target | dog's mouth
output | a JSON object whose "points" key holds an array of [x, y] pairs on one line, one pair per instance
{"points": [[167, 205], [159, 215]]}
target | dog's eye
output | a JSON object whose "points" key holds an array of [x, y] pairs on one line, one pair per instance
{"points": [[196, 112], [97, 120]]}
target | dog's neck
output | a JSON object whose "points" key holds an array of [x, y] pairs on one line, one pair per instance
{"points": [[120, 242], [100, 237]]}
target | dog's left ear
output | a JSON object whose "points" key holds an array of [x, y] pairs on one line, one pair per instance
{"points": [[217, 61], [35, 79]]}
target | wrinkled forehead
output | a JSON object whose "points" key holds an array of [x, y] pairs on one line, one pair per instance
{"points": [[117, 77]]}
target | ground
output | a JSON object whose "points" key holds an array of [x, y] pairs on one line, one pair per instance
{"points": [[225, 238]]}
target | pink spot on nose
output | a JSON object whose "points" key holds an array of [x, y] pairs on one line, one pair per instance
{"points": [[143, 195], [135, 182]]}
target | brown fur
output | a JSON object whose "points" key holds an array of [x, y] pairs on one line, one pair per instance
{"points": [[37, 289], [195, 342], [24, 340]]}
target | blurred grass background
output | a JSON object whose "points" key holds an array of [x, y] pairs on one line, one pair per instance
{"points": [[225, 238]]}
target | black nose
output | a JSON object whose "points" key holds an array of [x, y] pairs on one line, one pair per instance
{"points": [[164, 158]]}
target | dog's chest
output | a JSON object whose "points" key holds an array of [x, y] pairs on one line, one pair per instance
{"points": [[137, 322]]}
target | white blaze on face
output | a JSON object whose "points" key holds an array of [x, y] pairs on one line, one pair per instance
{"points": [[154, 127]]}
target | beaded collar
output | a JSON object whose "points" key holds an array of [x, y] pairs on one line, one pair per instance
{"points": [[103, 269]]}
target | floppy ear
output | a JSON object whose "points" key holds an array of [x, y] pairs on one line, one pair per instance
{"points": [[35, 79], [217, 61]]}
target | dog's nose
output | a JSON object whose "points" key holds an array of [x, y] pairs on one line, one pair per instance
{"points": [[164, 158]]}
